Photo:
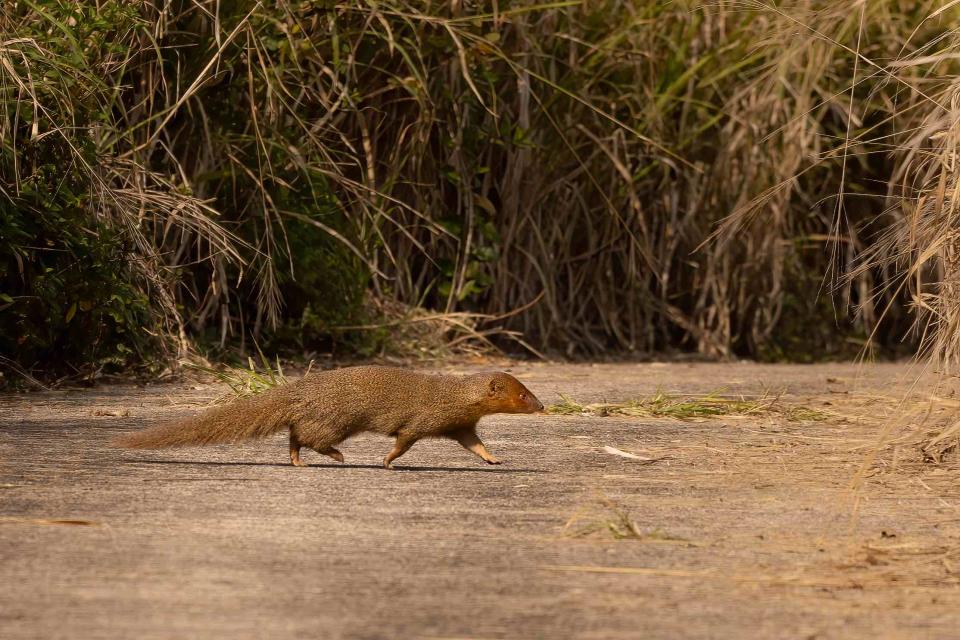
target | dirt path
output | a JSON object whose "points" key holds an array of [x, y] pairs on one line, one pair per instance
{"points": [[741, 527]]}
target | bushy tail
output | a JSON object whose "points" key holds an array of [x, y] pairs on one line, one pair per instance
{"points": [[245, 419]]}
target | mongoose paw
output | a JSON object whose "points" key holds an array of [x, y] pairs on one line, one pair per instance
{"points": [[494, 461], [388, 465], [298, 463], [336, 455]]}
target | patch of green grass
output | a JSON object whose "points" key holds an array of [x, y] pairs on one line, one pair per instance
{"points": [[567, 406], [250, 381], [683, 407]]}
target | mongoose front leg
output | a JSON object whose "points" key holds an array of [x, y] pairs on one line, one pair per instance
{"points": [[471, 442], [403, 444], [295, 451]]}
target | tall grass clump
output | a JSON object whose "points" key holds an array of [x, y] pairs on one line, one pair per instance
{"points": [[87, 221], [553, 177]]}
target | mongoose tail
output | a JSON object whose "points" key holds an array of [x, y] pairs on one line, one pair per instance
{"points": [[246, 419]]}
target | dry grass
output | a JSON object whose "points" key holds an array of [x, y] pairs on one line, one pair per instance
{"points": [[691, 407], [917, 421], [607, 518], [899, 104], [408, 332], [539, 175]]}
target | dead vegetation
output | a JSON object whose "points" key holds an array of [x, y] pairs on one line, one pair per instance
{"points": [[692, 407], [608, 518], [547, 177]]}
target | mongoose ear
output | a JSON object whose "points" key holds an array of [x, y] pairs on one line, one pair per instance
{"points": [[495, 387]]}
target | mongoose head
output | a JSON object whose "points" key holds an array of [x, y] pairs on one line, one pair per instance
{"points": [[505, 394]]}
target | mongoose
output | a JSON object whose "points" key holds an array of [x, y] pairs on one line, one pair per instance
{"points": [[323, 409]]}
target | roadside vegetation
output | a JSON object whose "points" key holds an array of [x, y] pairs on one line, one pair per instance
{"points": [[184, 180]]}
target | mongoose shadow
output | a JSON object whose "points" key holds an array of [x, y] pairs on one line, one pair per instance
{"points": [[330, 466]]}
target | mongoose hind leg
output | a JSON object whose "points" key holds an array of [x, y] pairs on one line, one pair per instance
{"points": [[403, 444], [472, 443], [333, 453], [316, 435], [295, 451], [295, 446]]}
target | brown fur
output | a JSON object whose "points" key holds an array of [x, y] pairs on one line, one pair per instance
{"points": [[323, 409]]}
